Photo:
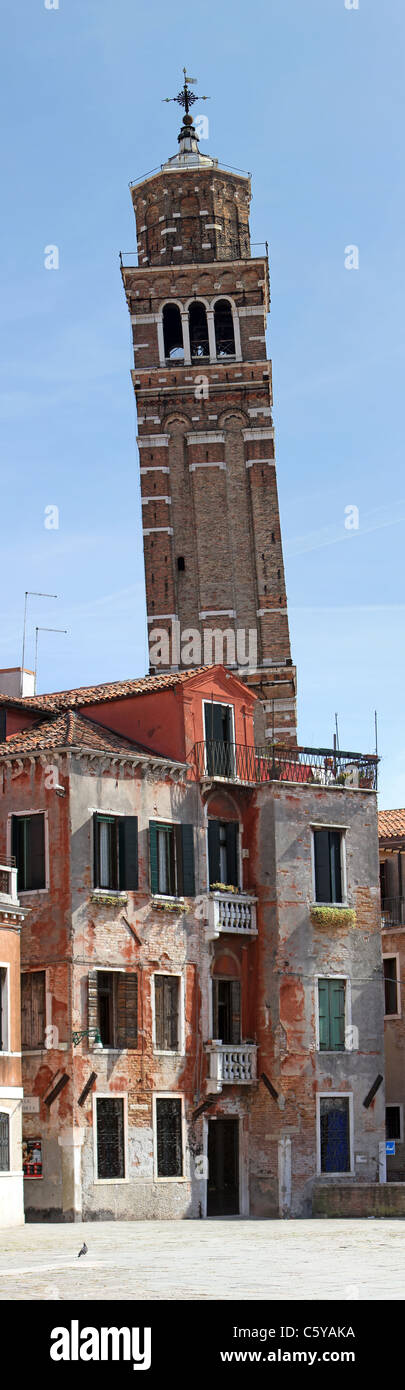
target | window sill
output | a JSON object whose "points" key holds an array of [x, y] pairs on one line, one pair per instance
{"points": [[108, 1181], [23, 892], [167, 1052], [162, 1178]]}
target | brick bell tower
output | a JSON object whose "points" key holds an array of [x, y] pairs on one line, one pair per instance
{"points": [[198, 300]]}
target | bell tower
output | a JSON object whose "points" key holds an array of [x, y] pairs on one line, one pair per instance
{"points": [[198, 300]]}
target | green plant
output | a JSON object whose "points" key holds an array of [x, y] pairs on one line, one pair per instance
{"points": [[108, 900], [223, 888], [332, 916], [160, 906]]}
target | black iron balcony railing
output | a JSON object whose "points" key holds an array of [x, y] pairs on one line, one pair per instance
{"points": [[393, 912], [238, 762]]}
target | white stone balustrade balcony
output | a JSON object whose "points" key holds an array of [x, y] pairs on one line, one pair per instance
{"points": [[230, 1065], [8, 884], [230, 912]]}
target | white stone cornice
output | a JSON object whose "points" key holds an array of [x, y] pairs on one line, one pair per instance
{"points": [[205, 464], [258, 434], [270, 462], [152, 530], [152, 441], [210, 437]]}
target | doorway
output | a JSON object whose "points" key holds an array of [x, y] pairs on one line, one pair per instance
{"points": [[223, 1167]]}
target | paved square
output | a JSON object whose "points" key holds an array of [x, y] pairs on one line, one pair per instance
{"points": [[226, 1259]]}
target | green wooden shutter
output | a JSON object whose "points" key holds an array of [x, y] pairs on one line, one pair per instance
{"points": [[337, 1014], [235, 1011], [127, 1009], [128, 852], [322, 866], [159, 1030], [213, 852], [153, 854], [26, 1010], [92, 1004], [16, 850], [323, 1004], [215, 1024], [335, 865], [172, 1012], [232, 853], [96, 851], [185, 861], [36, 851], [38, 1008]]}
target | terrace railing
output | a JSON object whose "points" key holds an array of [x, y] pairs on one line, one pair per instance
{"points": [[237, 762]]}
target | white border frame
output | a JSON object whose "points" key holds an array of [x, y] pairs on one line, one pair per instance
{"points": [[33, 811], [169, 1095], [393, 955], [110, 1095], [341, 1095]]}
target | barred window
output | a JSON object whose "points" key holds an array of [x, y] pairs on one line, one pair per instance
{"points": [[169, 1142], [110, 1137], [4, 1142]]}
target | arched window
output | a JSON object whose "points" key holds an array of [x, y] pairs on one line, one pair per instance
{"points": [[199, 344], [224, 333], [4, 1142], [173, 332]]}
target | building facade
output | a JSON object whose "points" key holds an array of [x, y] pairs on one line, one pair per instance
{"points": [[198, 295], [202, 996], [11, 1165], [391, 830]]}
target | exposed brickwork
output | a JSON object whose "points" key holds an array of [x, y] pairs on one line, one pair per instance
{"points": [[206, 438]]}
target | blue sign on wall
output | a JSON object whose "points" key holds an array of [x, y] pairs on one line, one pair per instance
{"points": [[390, 1147]]}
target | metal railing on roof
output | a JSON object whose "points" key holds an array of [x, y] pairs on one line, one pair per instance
{"points": [[318, 766]]}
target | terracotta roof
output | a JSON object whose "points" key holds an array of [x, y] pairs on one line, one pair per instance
{"points": [[69, 730], [98, 694], [391, 824]]}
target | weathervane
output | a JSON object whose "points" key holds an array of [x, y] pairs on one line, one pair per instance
{"points": [[185, 97]]}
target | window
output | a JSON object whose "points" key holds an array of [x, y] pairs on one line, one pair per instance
{"points": [[33, 1009], [393, 1125], [171, 859], [168, 1137], [173, 332], [115, 852], [4, 1023], [28, 846], [226, 1010], [391, 986], [110, 1137], [113, 1007], [223, 839], [4, 1142], [328, 866], [334, 1134], [199, 344], [224, 331], [331, 1006], [167, 996], [219, 739]]}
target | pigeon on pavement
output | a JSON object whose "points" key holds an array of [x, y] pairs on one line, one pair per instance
{"points": [[83, 1250]]}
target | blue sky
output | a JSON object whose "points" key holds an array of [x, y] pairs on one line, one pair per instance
{"points": [[308, 96]]}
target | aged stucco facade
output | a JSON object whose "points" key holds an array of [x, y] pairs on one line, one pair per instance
{"points": [[186, 1062]]}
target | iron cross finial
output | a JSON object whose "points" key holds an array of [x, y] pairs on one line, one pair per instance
{"points": [[185, 97]]}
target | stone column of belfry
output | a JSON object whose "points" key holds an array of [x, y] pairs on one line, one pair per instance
{"points": [[198, 301]]}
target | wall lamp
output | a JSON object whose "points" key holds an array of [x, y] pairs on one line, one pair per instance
{"points": [[88, 1033]]}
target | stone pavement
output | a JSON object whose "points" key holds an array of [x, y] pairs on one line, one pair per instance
{"points": [[225, 1259]]}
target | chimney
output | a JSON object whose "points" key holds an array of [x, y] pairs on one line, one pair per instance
{"points": [[14, 681]]}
